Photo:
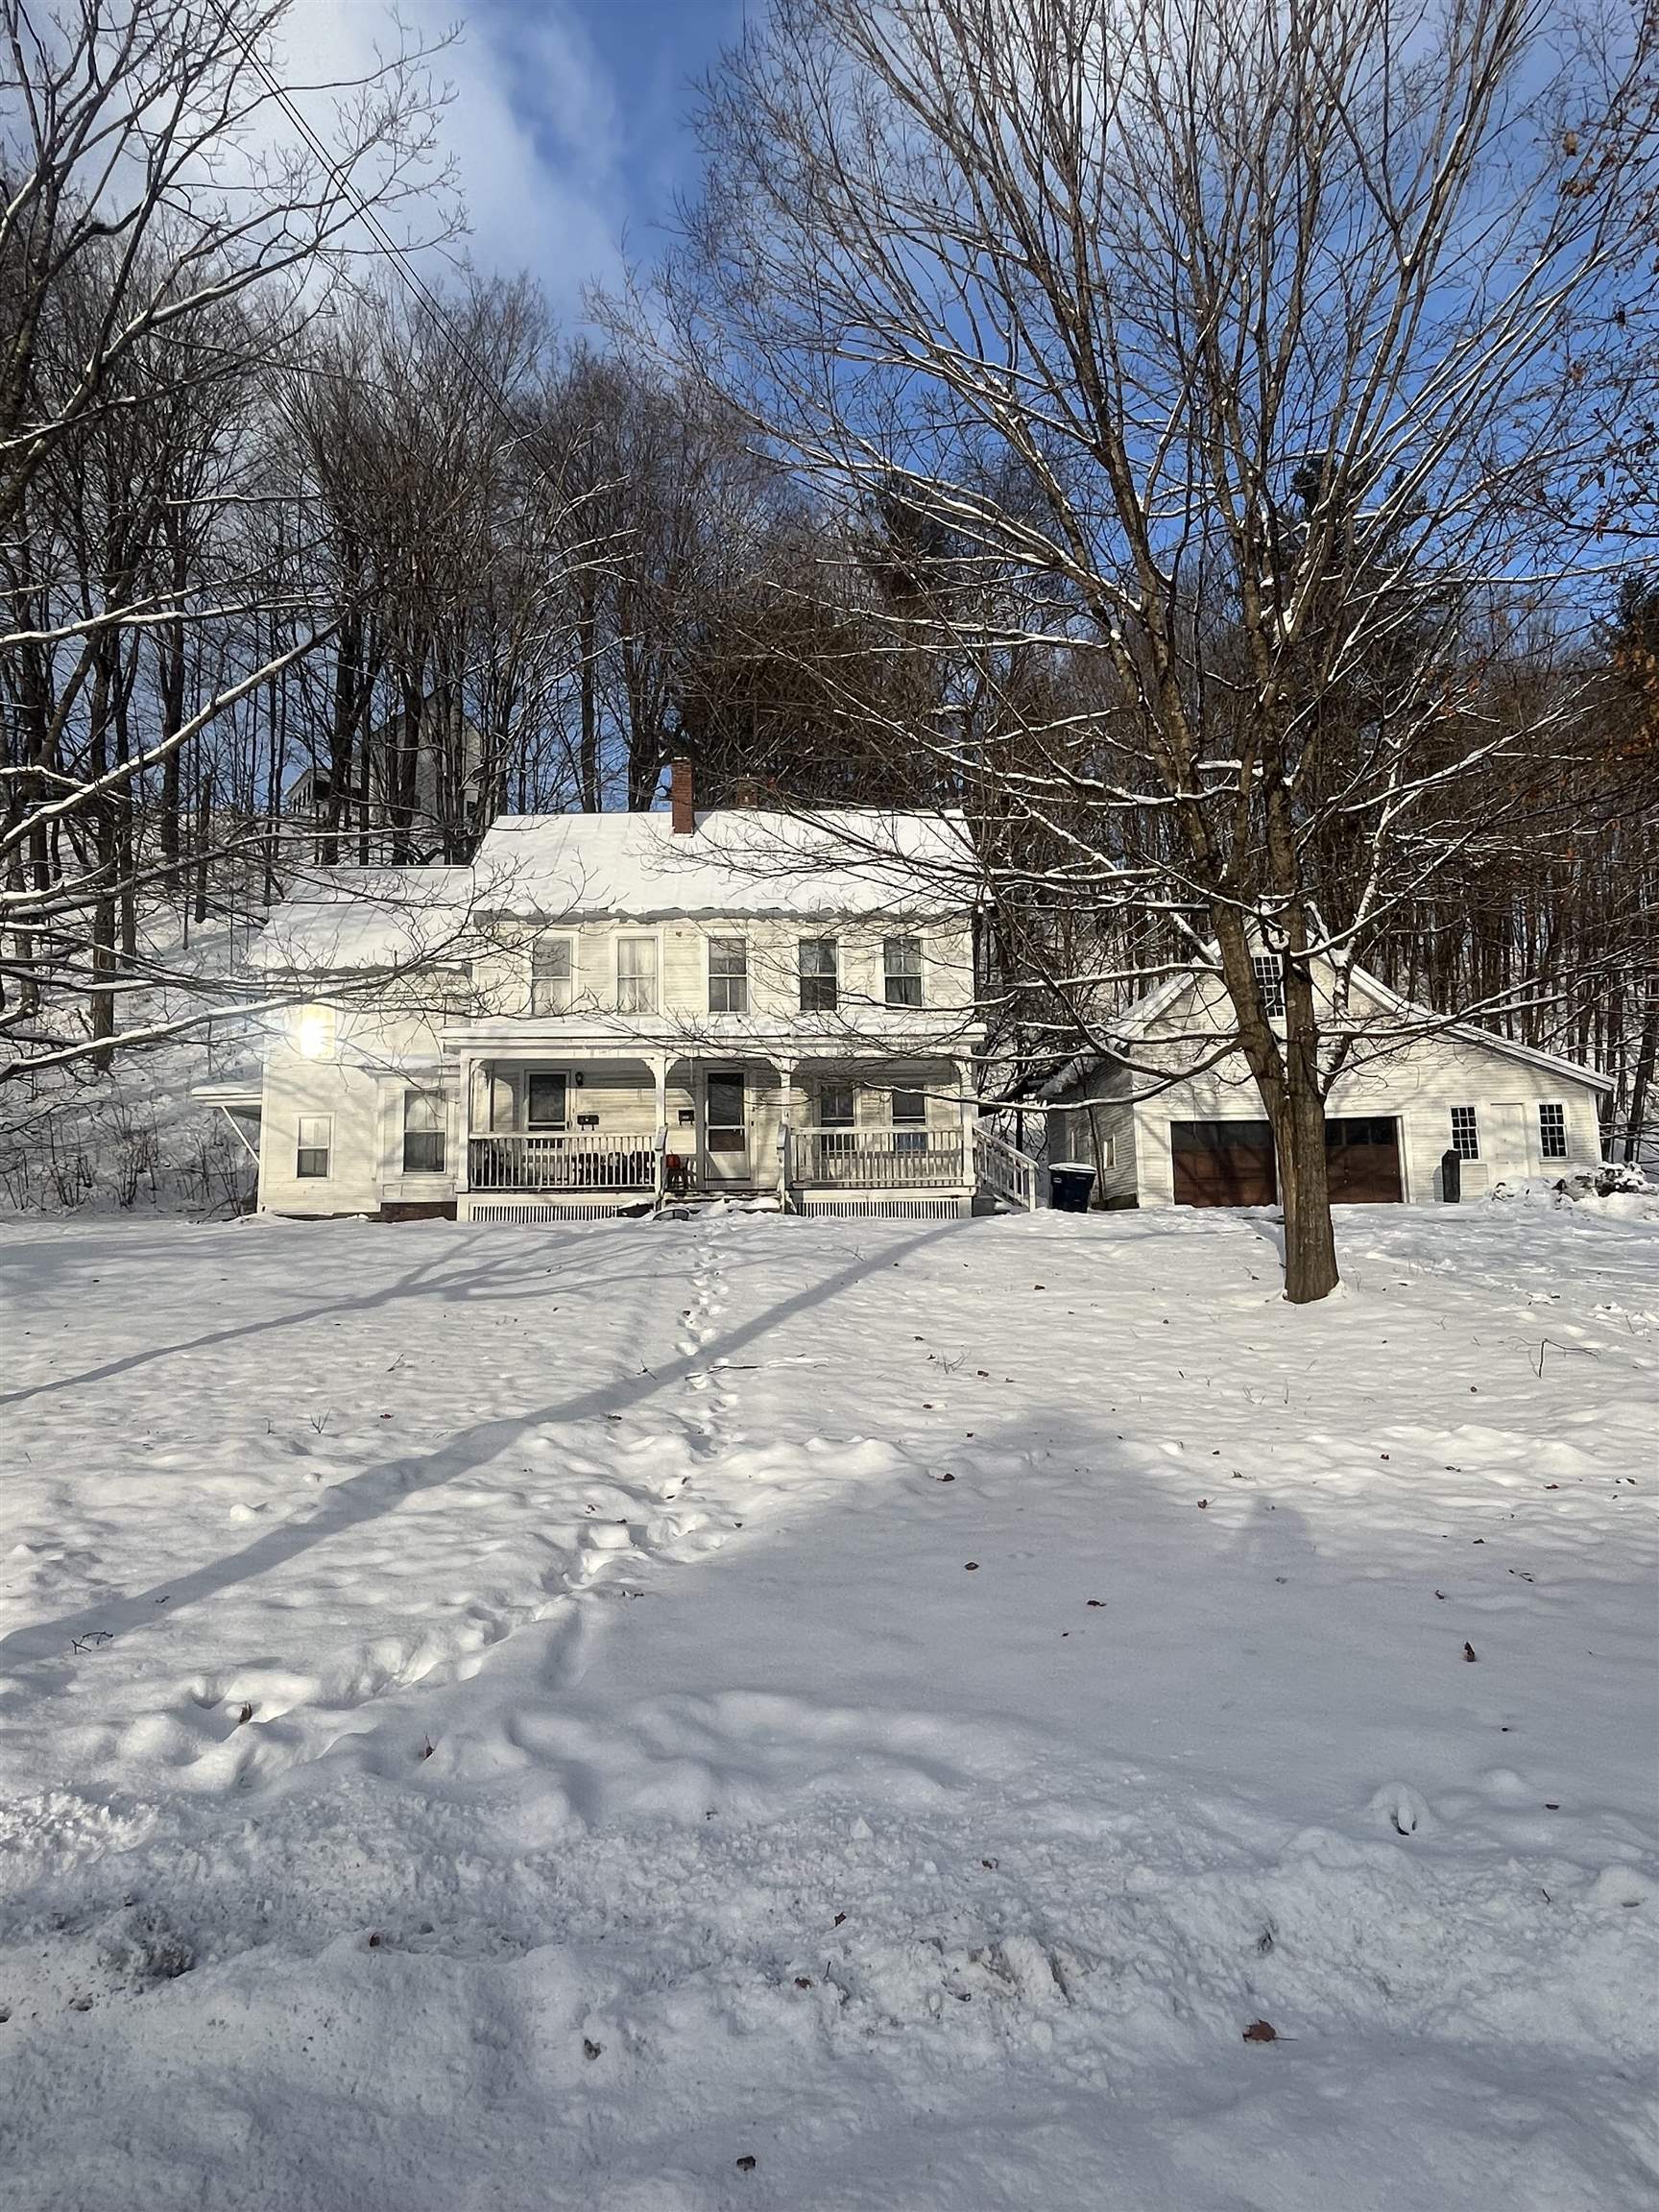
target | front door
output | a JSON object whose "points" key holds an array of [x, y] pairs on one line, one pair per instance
{"points": [[726, 1128]]}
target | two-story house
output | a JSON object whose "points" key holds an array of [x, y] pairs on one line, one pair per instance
{"points": [[607, 1010]]}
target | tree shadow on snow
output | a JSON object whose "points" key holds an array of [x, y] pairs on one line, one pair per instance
{"points": [[365, 1496]]}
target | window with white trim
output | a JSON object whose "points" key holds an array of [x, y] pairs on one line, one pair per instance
{"points": [[820, 977], [728, 975], [636, 974], [1553, 1132], [1465, 1133], [901, 961], [552, 974], [425, 1121], [834, 1105], [1271, 982], [313, 1152], [909, 1121]]}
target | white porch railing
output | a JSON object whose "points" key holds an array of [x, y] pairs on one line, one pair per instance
{"points": [[548, 1160], [1012, 1175], [876, 1159]]}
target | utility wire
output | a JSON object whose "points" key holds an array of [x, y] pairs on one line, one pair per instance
{"points": [[419, 290]]}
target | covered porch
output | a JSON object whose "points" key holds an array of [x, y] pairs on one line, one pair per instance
{"points": [[605, 1131]]}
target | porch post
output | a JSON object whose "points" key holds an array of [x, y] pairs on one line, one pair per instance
{"points": [[785, 1067], [659, 1064], [969, 1116], [464, 1165]]}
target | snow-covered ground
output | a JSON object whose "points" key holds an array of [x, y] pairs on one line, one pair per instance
{"points": [[502, 1718]]}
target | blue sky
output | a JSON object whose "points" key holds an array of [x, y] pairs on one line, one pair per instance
{"points": [[568, 121]]}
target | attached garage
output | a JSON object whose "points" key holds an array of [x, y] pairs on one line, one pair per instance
{"points": [[1231, 1163], [1173, 1117]]}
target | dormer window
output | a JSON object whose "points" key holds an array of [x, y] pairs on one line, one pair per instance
{"points": [[552, 974], [1271, 982], [820, 977]]}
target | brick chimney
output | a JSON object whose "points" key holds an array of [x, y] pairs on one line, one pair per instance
{"points": [[681, 797]]}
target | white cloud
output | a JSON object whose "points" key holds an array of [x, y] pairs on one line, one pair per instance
{"points": [[533, 126]]}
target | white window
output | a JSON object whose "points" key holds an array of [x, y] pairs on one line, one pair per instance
{"points": [[546, 1094], [901, 958], [636, 974], [1109, 1152], [1553, 1132], [909, 1121], [1465, 1133], [819, 977], [424, 1121], [834, 1105], [315, 1147], [1271, 982], [314, 1032], [552, 974], [728, 975]]}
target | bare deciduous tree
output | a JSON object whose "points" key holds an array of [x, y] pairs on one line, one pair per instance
{"points": [[1239, 352]]}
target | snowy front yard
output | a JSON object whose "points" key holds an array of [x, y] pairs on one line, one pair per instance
{"points": [[746, 1713]]}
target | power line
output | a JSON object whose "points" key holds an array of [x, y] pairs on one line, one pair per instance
{"points": [[413, 281]]}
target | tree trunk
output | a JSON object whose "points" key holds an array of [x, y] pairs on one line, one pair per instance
{"points": [[1642, 1082], [203, 842], [1304, 1184]]}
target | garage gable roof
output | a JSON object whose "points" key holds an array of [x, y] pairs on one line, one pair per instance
{"points": [[1143, 1020]]}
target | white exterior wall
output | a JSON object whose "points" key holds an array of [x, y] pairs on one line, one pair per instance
{"points": [[1417, 1083], [502, 977], [379, 1053], [1098, 1130]]}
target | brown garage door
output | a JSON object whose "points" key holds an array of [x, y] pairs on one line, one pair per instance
{"points": [[1362, 1161], [1223, 1163]]}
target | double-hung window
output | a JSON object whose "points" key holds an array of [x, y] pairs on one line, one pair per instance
{"points": [[1553, 1132], [910, 1122], [315, 1147], [1465, 1133], [552, 974], [902, 959], [1271, 982], [424, 1121], [819, 975], [636, 974], [728, 975]]}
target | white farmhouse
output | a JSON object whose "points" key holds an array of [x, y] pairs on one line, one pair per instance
{"points": [[1412, 1090], [606, 1010]]}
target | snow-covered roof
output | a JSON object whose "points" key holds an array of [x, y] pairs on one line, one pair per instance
{"points": [[338, 918], [1414, 1015], [1140, 1022], [740, 860]]}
